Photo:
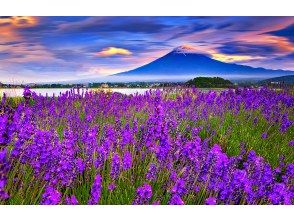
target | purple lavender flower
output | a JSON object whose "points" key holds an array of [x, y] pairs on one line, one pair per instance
{"points": [[264, 135], [71, 200], [157, 202], [4, 168], [144, 194], [280, 195], [179, 188], [152, 172], [127, 160], [27, 92], [96, 191], [111, 187], [210, 201], [115, 166], [51, 196], [80, 165], [291, 143], [176, 200]]}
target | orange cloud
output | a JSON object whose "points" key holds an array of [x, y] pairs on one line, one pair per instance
{"points": [[19, 21], [9, 26], [111, 51]]}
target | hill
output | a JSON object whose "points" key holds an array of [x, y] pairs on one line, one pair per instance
{"points": [[282, 79], [209, 82]]}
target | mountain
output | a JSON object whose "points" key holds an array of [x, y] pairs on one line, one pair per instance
{"points": [[282, 79], [184, 63]]}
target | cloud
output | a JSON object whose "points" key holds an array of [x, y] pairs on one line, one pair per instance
{"points": [[100, 71], [194, 28], [111, 51], [18, 21], [243, 48], [287, 32], [26, 52], [233, 58], [114, 24]]}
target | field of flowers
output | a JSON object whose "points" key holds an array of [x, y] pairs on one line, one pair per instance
{"points": [[179, 146]]}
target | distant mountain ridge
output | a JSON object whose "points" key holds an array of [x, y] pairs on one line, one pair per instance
{"points": [[281, 79], [184, 63]]}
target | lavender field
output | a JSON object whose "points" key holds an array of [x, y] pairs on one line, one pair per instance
{"points": [[174, 146]]}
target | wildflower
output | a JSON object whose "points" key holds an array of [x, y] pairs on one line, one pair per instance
{"points": [[176, 200], [144, 194], [157, 202], [4, 168], [210, 201], [111, 187], [51, 196], [27, 93], [71, 200], [152, 172], [291, 143], [179, 187], [279, 195], [80, 165], [115, 166], [96, 191], [264, 135], [127, 160]]}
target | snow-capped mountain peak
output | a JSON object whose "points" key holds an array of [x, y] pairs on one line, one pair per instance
{"points": [[185, 49]]}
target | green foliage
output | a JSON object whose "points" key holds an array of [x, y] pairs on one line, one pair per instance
{"points": [[209, 82]]}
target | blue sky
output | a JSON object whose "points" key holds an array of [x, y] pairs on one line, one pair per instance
{"points": [[40, 49]]}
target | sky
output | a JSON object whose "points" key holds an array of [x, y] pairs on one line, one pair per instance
{"points": [[51, 49]]}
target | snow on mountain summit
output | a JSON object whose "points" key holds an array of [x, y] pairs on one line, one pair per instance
{"points": [[185, 49]]}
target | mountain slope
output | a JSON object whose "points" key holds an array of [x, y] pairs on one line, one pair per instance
{"points": [[281, 79], [183, 63]]}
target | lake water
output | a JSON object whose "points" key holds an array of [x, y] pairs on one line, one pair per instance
{"points": [[56, 92]]}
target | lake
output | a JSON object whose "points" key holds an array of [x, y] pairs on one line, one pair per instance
{"points": [[57, 91]]}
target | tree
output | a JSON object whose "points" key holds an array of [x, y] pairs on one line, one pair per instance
{"points": [[209, 82]]}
